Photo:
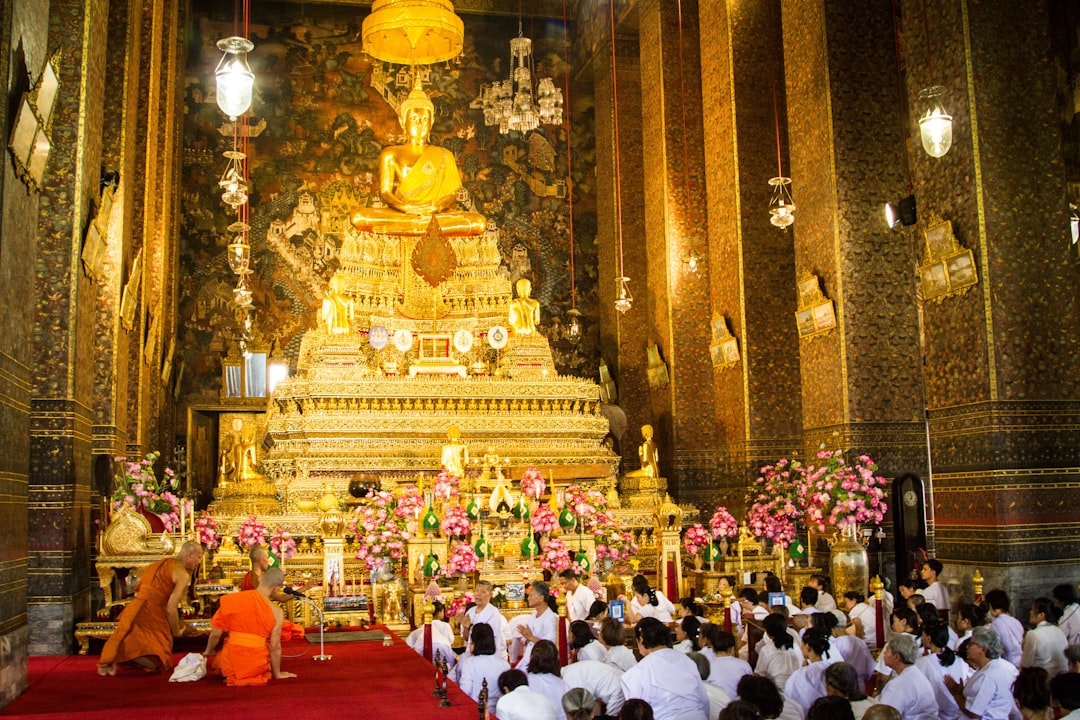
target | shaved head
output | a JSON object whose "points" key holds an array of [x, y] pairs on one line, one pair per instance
{"points": [[273, 578], [257, 553]]}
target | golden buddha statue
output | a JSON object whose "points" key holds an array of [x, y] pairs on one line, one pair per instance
{"points": [[244, 460], [455, 456], [417, 181], [648, 455], [524, 311], [226, 465], [336, 315]]}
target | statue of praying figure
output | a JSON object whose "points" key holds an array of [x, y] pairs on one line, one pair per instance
{"points": [[455, 456], [417, 181], [648, 455], [337, 310], [524, 311]]}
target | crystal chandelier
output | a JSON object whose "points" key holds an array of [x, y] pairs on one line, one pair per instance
{"points": [[623, 299], [510, 104], [781, 208]]}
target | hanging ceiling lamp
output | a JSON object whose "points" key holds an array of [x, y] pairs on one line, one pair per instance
{"points": [[935, 124], [234, 77], [413, 32], [510, 104], [623, 299], [573, 329], [781, 208], [693, 261]]}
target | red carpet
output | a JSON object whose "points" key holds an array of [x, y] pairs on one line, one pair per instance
{"points": [[362, 680]]}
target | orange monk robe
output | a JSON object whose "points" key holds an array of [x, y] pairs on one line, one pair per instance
{"points": [[143, 628], [249, 620], [289, 630]]}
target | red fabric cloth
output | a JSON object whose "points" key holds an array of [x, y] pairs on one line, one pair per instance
{"points": [[245, 657], [143, 629]]}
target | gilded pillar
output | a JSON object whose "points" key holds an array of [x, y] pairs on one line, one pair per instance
{"points": [[1002, 357], [19, 210], [862, 378], [751, 282], [622, 335], [61, 414], [676, 303]]}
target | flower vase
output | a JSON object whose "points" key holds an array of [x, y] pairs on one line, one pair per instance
{"points": [[849, 563], [698, 562], [723, 546], [463, 583]]}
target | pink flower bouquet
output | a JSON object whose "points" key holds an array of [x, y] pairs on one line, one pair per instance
{"points": [[446, 485], [532, 483], [843, 494], [252, 532], [455, 523], [206, 530], [696, 538], [723, 524], [282, 543], [462, 560], [544, 520], [555, 556]]}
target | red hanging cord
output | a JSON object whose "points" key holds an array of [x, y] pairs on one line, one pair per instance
{"points": [[615, 113], [776, 119], [569, 164], [682, 106]]}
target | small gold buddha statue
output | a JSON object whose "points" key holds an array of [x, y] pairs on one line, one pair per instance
{"points": [[417, 181], [648, 455], [455, 456], [337, 310], [524, 311]]}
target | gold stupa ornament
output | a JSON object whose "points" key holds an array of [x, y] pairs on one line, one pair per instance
{"points": [[413, 32]]}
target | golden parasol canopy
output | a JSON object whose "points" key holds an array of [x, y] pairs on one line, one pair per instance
{"points": [[413, 32]]}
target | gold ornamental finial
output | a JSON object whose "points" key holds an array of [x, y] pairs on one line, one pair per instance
{"points": [[977, 581], [877, 587]]}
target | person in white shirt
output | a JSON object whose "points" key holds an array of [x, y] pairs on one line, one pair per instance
{"points": [[928, 615], [519, 702], [968, 617], [825, 601], [483, 663], [987, 694], [808, 598], [725, 669], [618, 655], [579, 704], [762, 693], [584, 643], [601, 679], [687, 631], [442, 637], [485, 612], [941, 662], [541, 625], [1065, 691], [647, 602], [545, 676], [1044, 645], [935, 592], [718, 697], [778, 657], [807, 684], [1067, 601], [841, 680], [578, 597], [668, 680], [845, 648], [908, 691], [862, 618], [1008, 628]]}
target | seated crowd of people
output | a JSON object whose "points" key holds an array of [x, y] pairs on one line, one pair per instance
{"points": [[815, 659]]}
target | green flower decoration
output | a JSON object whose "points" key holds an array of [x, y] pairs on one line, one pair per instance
{"points": [[521, 510], [431, 566], [472, 510], [483, 548], [430, 521], [529, 548], [582, 559], [567, 519]]}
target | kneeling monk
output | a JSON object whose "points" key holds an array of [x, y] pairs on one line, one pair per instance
{"points": [[145, 631], [252, 650]]}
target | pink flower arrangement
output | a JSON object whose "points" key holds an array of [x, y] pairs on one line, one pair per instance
{"points": [[409, 503], [841, 494], [282, 543], [455, 523], [380, 532], [555, 556], [776, 502], [206, 530], [723, 523], [532, 483], [462, 560], [696, 538], [137, 487], [252, 532], [586, 504], [544, 520], [446, 485], [457, 605]]}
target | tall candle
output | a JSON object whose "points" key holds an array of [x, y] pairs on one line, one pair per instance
{"points": [[182, 529]]}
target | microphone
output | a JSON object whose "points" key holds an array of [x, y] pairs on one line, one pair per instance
{"points": [[295, 593]]}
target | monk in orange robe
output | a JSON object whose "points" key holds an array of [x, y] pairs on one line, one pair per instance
{"points": [[252, 650], [147, 626], [260, 562]]}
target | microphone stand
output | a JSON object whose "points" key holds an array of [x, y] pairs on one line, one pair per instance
{"points": [[322, 647]]}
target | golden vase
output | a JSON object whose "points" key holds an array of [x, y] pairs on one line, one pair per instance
{"points": [[849, 563]]}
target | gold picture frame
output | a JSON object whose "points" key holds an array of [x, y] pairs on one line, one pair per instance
{"points": [[724, 348], [952, 275], [30, 142]]}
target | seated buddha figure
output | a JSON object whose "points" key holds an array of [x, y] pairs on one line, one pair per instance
{"points": [[417, 181], [524, 310]]}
